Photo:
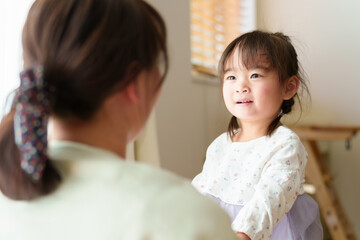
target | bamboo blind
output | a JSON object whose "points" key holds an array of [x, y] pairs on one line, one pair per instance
{"points": [[214, 24]]}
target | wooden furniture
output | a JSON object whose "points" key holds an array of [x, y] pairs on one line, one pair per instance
{"points": [[318, 175]]}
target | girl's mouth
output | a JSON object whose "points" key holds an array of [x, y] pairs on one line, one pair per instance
{"points": [[244, 102]]}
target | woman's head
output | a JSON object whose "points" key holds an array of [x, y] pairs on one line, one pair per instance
{"points": [[85, 53], [270, 52], [89, 49]]}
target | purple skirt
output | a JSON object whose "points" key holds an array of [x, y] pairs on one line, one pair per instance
{"points": [[302, 222]]}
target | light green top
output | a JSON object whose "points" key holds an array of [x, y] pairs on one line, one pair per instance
{"points": [[104, 197]]}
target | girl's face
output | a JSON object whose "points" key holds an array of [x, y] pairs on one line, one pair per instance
{"points": [[252, 95]]}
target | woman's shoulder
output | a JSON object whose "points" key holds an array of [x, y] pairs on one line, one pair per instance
{"points": [[153, 183], [145, 174], [172, 201]]}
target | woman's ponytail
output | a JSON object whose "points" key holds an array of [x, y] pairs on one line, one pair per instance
{"points": [[15, 183], [25, 172]]}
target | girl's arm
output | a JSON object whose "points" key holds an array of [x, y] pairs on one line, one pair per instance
{"points": [[275, 193]]}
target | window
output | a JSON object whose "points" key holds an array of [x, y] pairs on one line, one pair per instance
{"points": [[214, 24]]}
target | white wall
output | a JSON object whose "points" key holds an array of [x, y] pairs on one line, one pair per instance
{"points": [[12, 18], [327, 36], [189, 115]]}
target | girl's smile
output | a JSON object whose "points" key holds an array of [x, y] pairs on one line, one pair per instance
{"points": [[244, 101], [253, 94]]}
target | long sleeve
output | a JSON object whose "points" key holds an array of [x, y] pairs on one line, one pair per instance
{"points": [[274, 194]]}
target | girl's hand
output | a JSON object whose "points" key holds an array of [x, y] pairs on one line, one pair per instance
{"points": [[242, 236]]}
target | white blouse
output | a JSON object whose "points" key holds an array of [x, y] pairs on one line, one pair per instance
{"points": [[264, 175]]}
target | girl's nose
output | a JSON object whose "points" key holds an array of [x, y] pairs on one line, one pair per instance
{"points": [[243, 90]]}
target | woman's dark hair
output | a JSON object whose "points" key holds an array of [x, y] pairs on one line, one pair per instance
{"points": [[279, 53], [88, 49]]}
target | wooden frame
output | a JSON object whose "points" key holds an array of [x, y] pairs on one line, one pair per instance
{"points": [[318, 175]]}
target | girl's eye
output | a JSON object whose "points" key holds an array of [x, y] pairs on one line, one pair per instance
{"points": [[255, 75], [230, 78]]}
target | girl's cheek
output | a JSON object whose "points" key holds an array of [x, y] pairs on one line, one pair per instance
{"points": [[270, 91]]}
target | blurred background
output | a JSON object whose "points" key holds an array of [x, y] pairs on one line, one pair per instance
{"points": [[191, 113]]}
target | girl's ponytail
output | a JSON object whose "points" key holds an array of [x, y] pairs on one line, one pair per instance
{"points": [[233, 127], [25, 172], [286, 107]]}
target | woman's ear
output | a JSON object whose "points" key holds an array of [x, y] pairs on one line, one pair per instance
{"points": [[132, 92], [132, 89], [291, 87]]}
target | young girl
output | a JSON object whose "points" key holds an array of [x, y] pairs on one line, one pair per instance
{"points": [[256, 171]]}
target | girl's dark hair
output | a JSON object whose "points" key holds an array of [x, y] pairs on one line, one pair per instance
{"points": [[280, 55], [89, 49]]}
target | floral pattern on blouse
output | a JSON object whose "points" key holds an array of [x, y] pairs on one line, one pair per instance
{"points": [[264, 175]]}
